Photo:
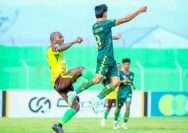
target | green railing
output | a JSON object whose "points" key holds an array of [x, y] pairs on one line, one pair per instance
{"points": [[155, 69]]}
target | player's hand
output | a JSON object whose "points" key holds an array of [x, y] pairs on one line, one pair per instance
{"points": [[79, 40], [125, 81], [142, 9]]}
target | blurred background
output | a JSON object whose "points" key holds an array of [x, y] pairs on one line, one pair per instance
{"points": [[156, 42]]}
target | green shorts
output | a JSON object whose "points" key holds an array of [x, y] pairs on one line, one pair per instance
{"points": [[125, 99], [106, 69]]}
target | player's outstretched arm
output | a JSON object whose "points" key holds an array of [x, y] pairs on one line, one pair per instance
{"points": [[117, 37], [66, 46], [131, 16]]}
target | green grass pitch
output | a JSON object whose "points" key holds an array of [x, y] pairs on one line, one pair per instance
{"points": [[80, 125]]}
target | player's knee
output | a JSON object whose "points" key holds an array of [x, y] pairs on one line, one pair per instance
{"points": [[81, 70], [97, 79], [109, 107], [116, 82], [118, 109], [128, 108], [76, 106], [78, 71]]}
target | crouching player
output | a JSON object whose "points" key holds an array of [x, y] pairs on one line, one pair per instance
{"points": [[62, 78], [124, 94]]}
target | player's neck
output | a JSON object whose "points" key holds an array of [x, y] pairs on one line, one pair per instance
{"points": [[100, 19], [126, 71]]}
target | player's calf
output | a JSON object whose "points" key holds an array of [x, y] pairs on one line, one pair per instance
{"points": [[98, 78], [115, 81]]}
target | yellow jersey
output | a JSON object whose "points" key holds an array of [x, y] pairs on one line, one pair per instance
{"points": [[57, 64], [112, 95]]}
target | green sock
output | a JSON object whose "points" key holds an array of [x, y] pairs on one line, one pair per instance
{"points": [[106, 114], [84, 86], [117, 112], [126, 117], [68, 115], [106, 90]]}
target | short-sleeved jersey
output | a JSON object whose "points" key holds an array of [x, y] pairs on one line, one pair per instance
{"points": [[56, 63], [123, 88], [103, 34]]}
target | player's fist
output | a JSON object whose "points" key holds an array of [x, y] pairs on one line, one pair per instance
{"points": [[142, 9], [79, 40]]}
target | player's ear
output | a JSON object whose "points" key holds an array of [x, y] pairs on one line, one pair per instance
{"points": [[105, 15]]}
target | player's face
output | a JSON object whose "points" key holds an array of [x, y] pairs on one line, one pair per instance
{"points": [[126, 66], [59, 38]]}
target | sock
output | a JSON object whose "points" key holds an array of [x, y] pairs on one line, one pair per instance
{"points": [[107, 89], [84, 86], [106, 114], [68, 115], [88, 74], [117, 112], [126, 117]]}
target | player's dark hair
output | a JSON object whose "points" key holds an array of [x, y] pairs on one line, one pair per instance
{"points": [[100, 10], [126, 60]]}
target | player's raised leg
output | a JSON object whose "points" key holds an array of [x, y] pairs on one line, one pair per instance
{"points": [[63, 86]]}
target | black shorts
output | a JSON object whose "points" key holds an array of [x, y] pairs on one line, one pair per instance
{"points": [[63, 84]]}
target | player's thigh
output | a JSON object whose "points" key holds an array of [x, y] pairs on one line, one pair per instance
{"points": [[76, 72], [110, 103], [115, 81], [63, 84], [98, 78]]}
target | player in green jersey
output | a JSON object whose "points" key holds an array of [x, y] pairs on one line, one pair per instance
{"points": [[106, 64], [124, 94]]}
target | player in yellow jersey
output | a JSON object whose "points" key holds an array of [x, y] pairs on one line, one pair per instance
{"points": [[110, 100], [62, 78]]}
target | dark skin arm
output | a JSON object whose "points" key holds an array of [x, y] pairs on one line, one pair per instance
{"points": [[131, 16], [66, 46]]}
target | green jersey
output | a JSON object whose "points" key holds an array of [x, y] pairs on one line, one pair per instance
{"points": [[124, 89], [103, 34]]}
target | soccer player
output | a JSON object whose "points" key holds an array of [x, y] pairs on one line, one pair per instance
{"points": [[124, 94], [62, 78], [110, 100], [106, 64]]}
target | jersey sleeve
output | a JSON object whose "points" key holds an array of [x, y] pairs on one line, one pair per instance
{"points": [[111, 23]]}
